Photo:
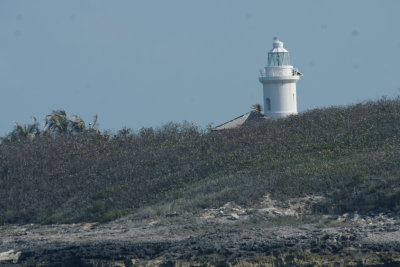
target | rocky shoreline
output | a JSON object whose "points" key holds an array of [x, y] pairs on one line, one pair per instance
{"points": [[341, 240]]}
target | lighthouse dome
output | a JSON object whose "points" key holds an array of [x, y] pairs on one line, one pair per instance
{"points": [[278, 56], [278, 46]]}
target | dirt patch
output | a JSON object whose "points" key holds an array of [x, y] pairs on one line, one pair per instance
{"points": [[268, 208]]}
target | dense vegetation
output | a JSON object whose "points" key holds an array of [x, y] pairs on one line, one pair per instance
{"points": [[69, 172]]}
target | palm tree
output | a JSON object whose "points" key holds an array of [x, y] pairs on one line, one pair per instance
{"points": [[19, 133], [257, 108], [94, 125], [33, 129], [22, 132], [77, 125], [57, 122]]}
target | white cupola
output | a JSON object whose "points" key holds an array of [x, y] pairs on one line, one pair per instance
{"points": [[279, 80]]}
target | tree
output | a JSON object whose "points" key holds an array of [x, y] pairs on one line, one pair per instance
{"points": [[94, 126], [257, 108], [23, 132], [77, 125], [57, 122]]}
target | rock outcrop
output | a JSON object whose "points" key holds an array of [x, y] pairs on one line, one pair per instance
{"points": [[344, 240]]}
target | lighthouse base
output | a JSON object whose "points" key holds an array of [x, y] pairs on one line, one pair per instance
{"points": [[278, 115]]}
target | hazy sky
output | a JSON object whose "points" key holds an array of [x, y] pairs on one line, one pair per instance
{"points": [[144, 63]]}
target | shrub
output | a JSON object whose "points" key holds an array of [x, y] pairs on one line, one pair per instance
{"points": [[351, 154]]}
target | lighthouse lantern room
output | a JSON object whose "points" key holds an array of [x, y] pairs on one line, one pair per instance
{"points": [[279, 80]]}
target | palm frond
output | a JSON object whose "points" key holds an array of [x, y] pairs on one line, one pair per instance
{"points": [[257, 108]]}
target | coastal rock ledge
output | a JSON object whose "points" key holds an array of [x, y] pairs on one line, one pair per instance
{"points": [[374, 242]]}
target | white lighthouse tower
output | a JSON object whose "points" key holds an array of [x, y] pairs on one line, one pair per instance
{"points": [[279, 80]]}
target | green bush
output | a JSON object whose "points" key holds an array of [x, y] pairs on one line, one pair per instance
{"points": [[111, 215]]}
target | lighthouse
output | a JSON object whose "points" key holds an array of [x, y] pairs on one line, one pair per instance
{"points": [[279, 80]]}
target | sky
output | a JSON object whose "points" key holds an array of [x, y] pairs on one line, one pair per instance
{"points": [[145, 63]]}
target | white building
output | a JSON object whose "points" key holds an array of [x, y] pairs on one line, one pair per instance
{"points": [[279, 80]]}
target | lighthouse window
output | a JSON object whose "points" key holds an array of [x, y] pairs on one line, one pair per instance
{"points": [[278, 59], [268, 104]]}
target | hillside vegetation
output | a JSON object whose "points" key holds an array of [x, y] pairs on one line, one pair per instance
{"points": [[349, 154]]}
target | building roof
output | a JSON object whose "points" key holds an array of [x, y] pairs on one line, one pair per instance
{"points": [[242, 120]]}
